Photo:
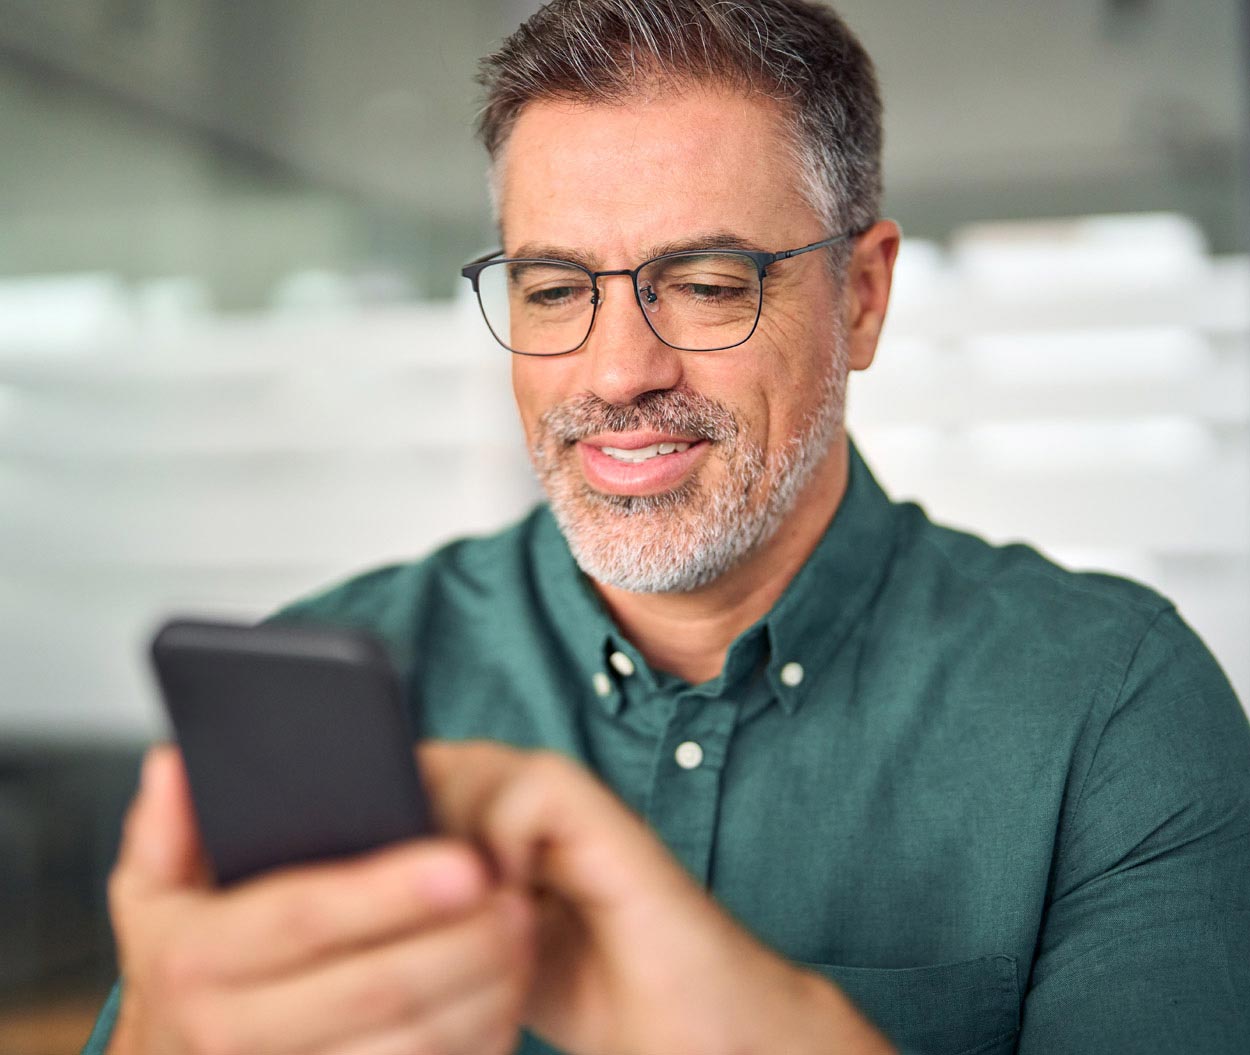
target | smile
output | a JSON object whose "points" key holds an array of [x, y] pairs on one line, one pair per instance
{"points": [[619, 467], [645, 454]]}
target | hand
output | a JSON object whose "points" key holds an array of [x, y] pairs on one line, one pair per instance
{"points": [[411, 948], [632, 956]]}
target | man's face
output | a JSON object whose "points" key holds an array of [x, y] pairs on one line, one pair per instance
{"points": [[666, 467]]}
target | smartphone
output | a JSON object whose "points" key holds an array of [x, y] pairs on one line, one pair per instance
{"points": [[295, 739]]}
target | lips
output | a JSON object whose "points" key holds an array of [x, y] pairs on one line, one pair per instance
{"points": [[639, 463]]}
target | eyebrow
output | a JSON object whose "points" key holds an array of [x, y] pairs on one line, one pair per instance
{"points": [[591, 262]]}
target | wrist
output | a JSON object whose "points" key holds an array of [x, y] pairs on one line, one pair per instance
{"points": [[828, 1022]]}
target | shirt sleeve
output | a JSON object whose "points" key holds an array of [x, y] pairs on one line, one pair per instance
{"points": [[1145, 942]]}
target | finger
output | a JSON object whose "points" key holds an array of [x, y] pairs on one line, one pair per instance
{"points": [[463, 778], [161, 849], [380, 989], [486, 1021], [297, 916], [480, 788], [559, 824], [546, 819]]}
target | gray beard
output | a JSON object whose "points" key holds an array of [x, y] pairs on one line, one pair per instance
{"points": [[683, 539]]}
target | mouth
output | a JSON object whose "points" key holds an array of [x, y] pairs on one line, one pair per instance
{"points": [[639, 463], [645, 454]]}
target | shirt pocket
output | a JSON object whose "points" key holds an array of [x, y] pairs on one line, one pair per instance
{"points": [[966, 1008]]}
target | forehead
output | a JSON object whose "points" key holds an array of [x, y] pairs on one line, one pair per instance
{"points": [[647, 170]]}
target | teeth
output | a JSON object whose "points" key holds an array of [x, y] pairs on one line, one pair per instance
{"points": [[643, 454]]}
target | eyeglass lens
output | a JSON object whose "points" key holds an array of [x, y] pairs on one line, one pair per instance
{"points": [[695, 301]]}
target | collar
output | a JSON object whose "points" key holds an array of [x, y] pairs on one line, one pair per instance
{"points": [[804, 628], [828, 596], [579, 622]]}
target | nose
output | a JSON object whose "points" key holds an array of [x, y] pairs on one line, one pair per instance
{"points": [[623, 357]]}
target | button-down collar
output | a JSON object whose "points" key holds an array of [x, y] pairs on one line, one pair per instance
{"points": [[805, 627], [813, 617]]}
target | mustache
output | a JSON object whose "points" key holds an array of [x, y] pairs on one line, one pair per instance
{"points": [[676, 410]]}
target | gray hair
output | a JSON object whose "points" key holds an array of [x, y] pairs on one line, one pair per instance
{"points": [[796, 52]]}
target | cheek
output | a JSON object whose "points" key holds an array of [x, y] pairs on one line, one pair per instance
{"points": [[527, 400], [800, 326], [800, 340], [746, 381], [791, 361], [538, 385]]}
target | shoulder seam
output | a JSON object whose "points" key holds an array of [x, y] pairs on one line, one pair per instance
{"points": [[1150, 601], [1118, 703]]}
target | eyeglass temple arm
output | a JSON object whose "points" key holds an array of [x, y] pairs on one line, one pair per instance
{"points": [[816, 245]]}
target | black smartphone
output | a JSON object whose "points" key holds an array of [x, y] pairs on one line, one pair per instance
{"points": [[295, 740]]}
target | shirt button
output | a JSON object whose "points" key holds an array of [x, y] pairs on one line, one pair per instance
{"points": [[689, 755], [791, 674], [602, 684], [623, 665]]}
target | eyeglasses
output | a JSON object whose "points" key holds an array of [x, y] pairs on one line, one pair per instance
{"points": [[700, 300]]}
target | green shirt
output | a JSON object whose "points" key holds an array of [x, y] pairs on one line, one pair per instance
{"points": [[1003, 806]]}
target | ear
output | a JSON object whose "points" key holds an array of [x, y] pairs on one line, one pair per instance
{"points": [[868, 279]]}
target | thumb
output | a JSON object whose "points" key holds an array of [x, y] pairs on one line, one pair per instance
{"points": [[161, 848]]}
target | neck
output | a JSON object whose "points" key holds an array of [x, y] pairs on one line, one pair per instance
{"points": [[689, 634]]}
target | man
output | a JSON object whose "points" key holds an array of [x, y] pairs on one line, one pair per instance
{"points": [[946, 797]]}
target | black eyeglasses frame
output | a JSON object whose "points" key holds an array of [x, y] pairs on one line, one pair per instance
{"points": [[762, 261]]}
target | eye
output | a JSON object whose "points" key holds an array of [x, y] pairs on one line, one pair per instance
{"points": [[545, 286], [710, 291], [552, 296], [705, 279], [556, 293]]}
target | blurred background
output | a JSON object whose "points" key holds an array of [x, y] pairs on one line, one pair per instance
{"points": [[237, 361]]}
